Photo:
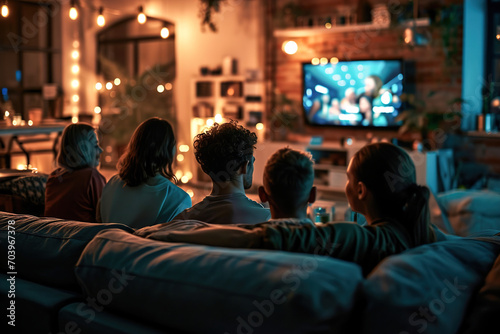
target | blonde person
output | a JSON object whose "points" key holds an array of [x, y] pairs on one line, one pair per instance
{"points": [[143, 192], [74, 188]]}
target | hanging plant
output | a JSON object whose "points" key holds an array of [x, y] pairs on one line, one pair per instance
{"points": [[207, 9]]}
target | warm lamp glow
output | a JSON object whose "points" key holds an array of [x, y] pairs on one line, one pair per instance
{"points": [[160, 88], [289, 47], [5, 10], [73, 13], [117, 81], [30, 123], [328, 25], [75, 98], [168, 86], [259, 126], [190, 193], [180, 157], [218, 118], [75, 54], [184, 148], [184, 179], [315, 61], [109, 85], [75, 69], [97, 110], [334, 60], [75, 83], [141, 18], [74, 119], [98, 85], [323, 61], [164, 32], [101, 21]]}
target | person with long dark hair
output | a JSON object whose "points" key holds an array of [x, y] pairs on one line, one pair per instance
{"points": [[74, 188], [143, 192], [381, 186]]}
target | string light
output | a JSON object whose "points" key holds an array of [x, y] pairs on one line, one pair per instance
{"points": [[5, 9], [97, 110], [75, 69], [75, 54], [101, 21], [75, 83], [76, 98], [141, 18], [164, 32], [109, 85], [160, 88], [98, 86], [73, 13], [117, 81]]}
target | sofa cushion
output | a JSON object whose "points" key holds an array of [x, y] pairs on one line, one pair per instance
{"points": [[36, 306], [202, 289], [485, 308], [427, 289], [47, 249]]}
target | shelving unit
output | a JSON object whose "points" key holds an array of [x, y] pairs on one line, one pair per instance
{"points": [[320, 30]]}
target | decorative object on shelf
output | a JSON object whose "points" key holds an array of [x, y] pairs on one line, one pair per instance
{"points": [[291, 15]]}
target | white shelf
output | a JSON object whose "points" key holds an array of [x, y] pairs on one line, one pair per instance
{"points": [[309, 31]]}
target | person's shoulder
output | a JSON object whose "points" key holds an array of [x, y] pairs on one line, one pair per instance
{"points": [[115, 180], [94, 173]]}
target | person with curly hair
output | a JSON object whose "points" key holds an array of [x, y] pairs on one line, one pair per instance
{"points": [[225, 154], [74, 188], [143, 193]]}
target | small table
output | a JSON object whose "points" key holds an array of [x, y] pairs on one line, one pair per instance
{"points": [[22, 135]]}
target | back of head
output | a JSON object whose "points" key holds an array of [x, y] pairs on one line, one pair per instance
{"points": [[77, 148], [150, 151], [288, 178], [389, 173], [223, 148]]}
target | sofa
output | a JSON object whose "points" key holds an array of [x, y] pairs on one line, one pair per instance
{"points": [[74, 277]]}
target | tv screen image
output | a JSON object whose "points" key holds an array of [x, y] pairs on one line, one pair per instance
{"points": [[360, 93]]}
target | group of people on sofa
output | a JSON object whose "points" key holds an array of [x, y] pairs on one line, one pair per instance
{"points": [[381, 186]]}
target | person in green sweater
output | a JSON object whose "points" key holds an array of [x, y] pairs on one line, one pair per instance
{"points": [[381, 186]]}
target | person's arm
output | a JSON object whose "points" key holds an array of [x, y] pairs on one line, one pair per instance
{"points": [[217, 235]]}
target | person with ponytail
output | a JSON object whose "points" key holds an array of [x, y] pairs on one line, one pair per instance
{"points": [[381, 186], [143, 192]]}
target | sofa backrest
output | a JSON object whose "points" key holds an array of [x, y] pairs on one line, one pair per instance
{"points": [[46, 249], [202, 289], [427, 289]]}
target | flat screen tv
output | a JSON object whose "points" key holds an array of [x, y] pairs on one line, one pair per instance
{"points": [[356, 93]]}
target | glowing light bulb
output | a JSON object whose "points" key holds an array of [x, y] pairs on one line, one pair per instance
{"points": [[75, 83], [180, 157], [117, 81], [164, 32], [168, 86], [75, 54], [75, 98], [210, 122], [178, 174], [184, 148], [289, 47], [98, 85], [190, 193], [323, 61], [101, 21], [75, 69], [73, 13], [74, 119], [189, 175], [184, 179], [259, 126], [218, 118], [141, 18], [5, 10], [315, 61], [328, 25], [160, 88], [76, 44], [30, 123], [97, 110], [109, 85]]}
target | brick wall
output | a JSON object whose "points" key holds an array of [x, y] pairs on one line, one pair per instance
{"points": [[435, 72]]}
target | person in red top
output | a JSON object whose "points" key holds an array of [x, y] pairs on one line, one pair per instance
{"points": [[74, 188]]}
